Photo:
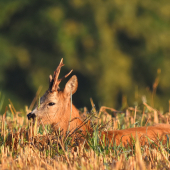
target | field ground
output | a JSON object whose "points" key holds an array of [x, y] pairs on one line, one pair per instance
{"points": [[24, 146]]}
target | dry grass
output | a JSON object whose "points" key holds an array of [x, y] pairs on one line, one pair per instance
{"points": [[24, 146]]}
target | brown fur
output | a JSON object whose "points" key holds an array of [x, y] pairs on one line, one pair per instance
{"points": [[60, 114], [145, 134]]}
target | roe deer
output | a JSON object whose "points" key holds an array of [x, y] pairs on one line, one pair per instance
{"points": [[56, 109], [55, 106]]}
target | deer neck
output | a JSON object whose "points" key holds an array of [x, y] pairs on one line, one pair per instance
{"points": [[73, 116], [69, 119]]}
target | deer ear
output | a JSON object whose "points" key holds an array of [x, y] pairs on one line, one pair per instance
{"points": [[71, 86]]}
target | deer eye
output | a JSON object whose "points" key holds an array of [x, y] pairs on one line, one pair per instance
{"points": [[51, 104]]}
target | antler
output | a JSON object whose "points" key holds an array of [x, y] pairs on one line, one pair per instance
{"points": [[54, 81]]}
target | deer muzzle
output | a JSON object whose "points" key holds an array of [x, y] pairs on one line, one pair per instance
{"points": [[31, 116]]}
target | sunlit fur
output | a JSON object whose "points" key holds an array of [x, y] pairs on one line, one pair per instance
{"points": [[156, 134], [60, 114]]}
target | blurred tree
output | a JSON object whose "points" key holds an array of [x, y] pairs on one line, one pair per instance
{"points": [[113, 46]]}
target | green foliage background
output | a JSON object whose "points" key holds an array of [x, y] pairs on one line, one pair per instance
{"points": [[114, 46]]}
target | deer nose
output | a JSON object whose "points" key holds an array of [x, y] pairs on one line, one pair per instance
{"points": [[31, 116]]}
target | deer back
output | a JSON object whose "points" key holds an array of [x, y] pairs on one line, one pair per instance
{"points": [[146, 134]]}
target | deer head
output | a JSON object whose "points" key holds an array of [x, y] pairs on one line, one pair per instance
{"points": [[55, 107]]}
